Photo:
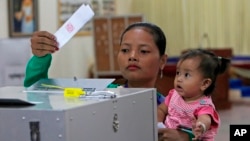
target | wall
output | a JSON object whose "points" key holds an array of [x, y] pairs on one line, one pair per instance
{"points": [[75, 58], [4, 19], [200, 23]]}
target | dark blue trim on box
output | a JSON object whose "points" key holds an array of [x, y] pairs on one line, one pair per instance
{"points": [[245, 91], [172, 60], [235, 83], [241, 58]]}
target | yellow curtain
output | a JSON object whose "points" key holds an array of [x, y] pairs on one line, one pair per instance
{"points": [[200, 23]]}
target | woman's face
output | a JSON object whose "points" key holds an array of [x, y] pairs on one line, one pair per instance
{"points": [[138, 57]]}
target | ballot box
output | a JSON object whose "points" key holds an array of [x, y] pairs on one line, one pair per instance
{"points": [[27, 115]]}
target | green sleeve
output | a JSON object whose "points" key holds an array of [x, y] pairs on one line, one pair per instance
{"points": [[37, 68], [112, 85]]}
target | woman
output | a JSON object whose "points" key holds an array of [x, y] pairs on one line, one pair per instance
{"points": [[141, 56]]}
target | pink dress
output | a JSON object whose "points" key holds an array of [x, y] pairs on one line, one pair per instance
{"points": [[181, 113]]}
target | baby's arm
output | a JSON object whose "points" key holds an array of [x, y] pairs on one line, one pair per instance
{"points": [[162, 111], [201, 125]]}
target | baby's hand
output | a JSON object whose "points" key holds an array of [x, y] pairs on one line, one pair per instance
{"points": [[198, 130]]}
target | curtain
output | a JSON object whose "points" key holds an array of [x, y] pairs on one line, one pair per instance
{"points": [[200, 23]]}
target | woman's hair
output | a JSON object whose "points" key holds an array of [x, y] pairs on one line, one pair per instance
{"points": [[210, 65], [154, 30]]}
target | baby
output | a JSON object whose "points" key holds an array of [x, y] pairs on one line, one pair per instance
{"points": [[189, 104]]}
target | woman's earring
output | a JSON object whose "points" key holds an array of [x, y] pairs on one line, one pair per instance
{"points": [[161, 75]]}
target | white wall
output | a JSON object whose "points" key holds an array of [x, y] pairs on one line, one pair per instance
{"points": [[75, 58], [4, 19]]}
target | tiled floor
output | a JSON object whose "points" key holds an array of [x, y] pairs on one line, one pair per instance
{"points": [[238, 114]]}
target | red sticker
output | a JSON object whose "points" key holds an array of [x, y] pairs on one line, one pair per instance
{"points": [[69, 27]]}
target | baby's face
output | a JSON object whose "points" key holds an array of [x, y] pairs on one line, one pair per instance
{"points": [[189, 79]]}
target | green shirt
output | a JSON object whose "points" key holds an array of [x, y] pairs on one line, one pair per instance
{"points": [[36, 69]]}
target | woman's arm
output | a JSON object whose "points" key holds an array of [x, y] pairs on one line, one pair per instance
{"points": [[43, 44], [37, 68]]}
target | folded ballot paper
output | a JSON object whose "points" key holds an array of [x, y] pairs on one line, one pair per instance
{"points": [[79, 18]]}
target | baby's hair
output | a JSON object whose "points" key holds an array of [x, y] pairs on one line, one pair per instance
{"points": [[210, 65]]}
